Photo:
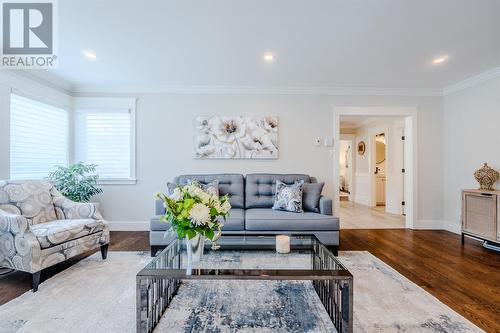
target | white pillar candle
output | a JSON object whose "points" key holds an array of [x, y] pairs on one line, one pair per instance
{"points": [[282, 244]]}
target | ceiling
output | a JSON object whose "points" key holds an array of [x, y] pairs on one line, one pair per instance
{"points": [[316, 43]]}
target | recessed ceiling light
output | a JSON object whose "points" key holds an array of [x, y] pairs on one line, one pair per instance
{"points": [[90, 55], [268, 57], [440, 60]]}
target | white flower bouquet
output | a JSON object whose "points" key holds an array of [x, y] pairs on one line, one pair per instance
{"points": [[192, 211]]}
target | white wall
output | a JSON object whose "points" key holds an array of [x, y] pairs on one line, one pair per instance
{"points": [[164, 144], [471, 137]]}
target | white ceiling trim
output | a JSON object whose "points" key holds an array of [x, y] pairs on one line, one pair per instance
{"points": [[472, 81], [77, 90], [253, 90]]}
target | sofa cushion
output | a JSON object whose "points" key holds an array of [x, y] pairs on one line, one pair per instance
{"points": [[29, 198], [60, 231], [265, 219], [260, 187], [235, 222], [229, 183]]}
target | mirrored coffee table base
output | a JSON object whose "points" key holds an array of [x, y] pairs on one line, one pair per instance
{"points": [[308, 259]]}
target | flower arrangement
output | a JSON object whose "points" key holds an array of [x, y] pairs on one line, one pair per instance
{"points": [[192, 210]]}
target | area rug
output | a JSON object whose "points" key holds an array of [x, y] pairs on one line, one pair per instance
{"points": [[99, 296]]}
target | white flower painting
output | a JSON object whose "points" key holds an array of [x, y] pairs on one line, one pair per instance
{"points": [[236, 137]]}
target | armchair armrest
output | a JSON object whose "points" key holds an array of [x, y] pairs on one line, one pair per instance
{"points": [[19, 248], [68, 209], [325, 206]]}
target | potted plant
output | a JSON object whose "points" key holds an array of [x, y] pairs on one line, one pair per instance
{"points": [[78, 182], [195, 214]]}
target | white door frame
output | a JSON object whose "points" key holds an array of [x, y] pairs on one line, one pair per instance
{"points": [[410, 113]]}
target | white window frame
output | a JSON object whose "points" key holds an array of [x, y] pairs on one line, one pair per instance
{"points": [[110, 103], [50, 102]]}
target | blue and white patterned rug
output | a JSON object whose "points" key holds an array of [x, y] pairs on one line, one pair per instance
{"points": [[99, 296]]}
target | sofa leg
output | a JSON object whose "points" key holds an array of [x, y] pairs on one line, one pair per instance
{"points": [[155, 249], [35, 281], [104, 251]]}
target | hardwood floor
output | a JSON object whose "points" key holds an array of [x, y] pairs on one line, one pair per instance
{"points": [[467, 278], [356, 216], [17, 283]]}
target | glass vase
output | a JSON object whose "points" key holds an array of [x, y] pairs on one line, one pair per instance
{"points": [[194, 251]]}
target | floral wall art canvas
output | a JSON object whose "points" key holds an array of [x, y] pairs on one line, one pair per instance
{"points": [[237, 137]]}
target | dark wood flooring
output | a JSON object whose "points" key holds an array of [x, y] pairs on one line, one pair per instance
{"points": [[466, 278]]}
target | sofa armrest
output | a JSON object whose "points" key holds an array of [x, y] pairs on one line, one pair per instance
{"points": [[325, 206], [68, 209], [160, 207], [19, 248]]}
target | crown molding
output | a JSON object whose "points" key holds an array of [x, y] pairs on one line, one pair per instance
{"points": [[51, 81], [44, 78], [472, 81], [252, 90]]}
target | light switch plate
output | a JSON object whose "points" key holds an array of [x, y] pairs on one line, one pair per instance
{"points": [[328, 142]]}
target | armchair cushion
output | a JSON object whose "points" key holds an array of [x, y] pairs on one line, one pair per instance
{"points": [[60, 231], [31, 199]]}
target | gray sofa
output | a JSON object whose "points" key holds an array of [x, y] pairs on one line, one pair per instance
{"points": [[251, 199]]}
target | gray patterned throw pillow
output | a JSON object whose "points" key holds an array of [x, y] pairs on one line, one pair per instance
{"points": [[288, 197]]}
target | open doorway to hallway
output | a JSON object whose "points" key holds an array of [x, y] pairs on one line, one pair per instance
{"points": [[371, 172]]}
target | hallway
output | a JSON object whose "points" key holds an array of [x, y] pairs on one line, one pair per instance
{"points": [[356, 216]]}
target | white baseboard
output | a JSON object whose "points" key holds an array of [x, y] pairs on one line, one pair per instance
{"points": [[429, 225], [454, 227], [128, 225]]}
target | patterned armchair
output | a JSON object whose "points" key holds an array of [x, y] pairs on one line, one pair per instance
{"points": [[40, 228]]}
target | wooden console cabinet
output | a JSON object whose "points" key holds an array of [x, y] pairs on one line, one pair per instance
{"points": [[480, 215]]}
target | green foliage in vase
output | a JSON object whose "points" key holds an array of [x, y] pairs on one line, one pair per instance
{"points": [[77, 182], [191, 210]]}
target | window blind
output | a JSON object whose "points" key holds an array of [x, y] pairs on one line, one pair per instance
{"points": [[38, 138], [103, 137]]}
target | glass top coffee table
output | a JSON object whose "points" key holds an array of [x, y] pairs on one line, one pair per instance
{"points": [[308, 259]]}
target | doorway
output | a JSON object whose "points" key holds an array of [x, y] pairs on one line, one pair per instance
{"points": [[379, 175], [379, 178]]}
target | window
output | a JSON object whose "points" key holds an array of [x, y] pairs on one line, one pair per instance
{"points": [[105, 136], [38, 138]]}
